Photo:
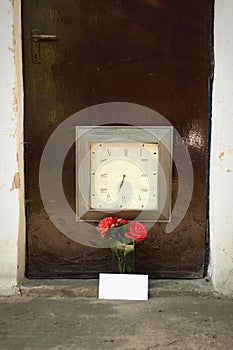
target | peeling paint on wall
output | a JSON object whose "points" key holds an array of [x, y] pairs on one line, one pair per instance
{"points": [[221, 155], [10, 88], [16, 182]]}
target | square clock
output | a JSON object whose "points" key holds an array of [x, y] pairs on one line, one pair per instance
{"points": [[123, 171]]}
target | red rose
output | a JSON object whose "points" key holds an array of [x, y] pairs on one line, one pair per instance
{"points": [[123, 222], [114, 222], [137, 232], [104, 225]]}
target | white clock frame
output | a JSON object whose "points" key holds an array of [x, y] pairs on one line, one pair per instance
{"points": [[87, 135]]}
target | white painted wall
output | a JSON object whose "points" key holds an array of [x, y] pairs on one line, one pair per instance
{"points": [[12, 228], [10, 140], [221, 171]]}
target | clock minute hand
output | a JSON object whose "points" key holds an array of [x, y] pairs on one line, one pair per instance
{"points": [[122, 182]]}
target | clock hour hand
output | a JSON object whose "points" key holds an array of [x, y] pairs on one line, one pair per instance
{"points": [[122, 182]]}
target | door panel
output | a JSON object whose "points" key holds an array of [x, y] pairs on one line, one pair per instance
{"points": [[150, 52]]}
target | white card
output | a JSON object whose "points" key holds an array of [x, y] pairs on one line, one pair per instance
{"points": [[123, 286]]}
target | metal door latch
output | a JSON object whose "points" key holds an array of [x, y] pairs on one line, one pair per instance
{"points": [[36, 38], [43, 37]]}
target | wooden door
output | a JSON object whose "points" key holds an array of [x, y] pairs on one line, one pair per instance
{"points": [[155, 53]]}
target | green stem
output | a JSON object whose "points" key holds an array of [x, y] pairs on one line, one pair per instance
{"points": [[123, 258]]}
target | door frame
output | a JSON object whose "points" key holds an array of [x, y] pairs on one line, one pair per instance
{"points": [[19, 98]]}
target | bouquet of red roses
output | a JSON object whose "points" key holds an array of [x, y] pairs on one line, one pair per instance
{"points": [[121, 230], [123, 235]]}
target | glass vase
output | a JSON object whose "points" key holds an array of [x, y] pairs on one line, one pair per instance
{"points": [[123, 258]]}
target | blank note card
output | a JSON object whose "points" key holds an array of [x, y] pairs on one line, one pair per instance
{"points": [[123, 286]]}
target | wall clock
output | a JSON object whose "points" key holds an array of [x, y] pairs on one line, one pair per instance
{"points": [[123, 171], [124, 175]]}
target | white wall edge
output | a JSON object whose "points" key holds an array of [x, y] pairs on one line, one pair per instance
{"points": [[221, 160], [12, 218]]}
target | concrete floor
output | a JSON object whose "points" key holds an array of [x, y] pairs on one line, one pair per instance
{"points": [[164, 322]]}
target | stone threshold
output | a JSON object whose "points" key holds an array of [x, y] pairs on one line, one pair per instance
{"points": [[88, 288]]}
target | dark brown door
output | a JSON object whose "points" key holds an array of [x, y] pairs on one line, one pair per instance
{"points": [[154, 53]]}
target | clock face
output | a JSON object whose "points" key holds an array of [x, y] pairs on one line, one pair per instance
{"points": [[124, 176]]}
